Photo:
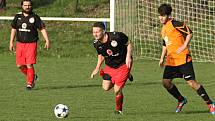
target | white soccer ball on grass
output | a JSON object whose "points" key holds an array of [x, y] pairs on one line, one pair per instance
{"points": [[61, 111]]}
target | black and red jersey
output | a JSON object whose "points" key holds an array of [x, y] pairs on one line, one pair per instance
{"points": [[114, 50], [27, 26]]}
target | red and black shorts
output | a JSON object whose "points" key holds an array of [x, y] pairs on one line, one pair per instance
{"points": [[26, 53], [117, 76], [185, 71]]}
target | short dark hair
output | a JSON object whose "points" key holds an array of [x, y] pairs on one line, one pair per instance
{"points": [[165, 9], [27, 1], [99, 24]]}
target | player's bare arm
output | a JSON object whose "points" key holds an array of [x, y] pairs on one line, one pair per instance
{"points": [[12, 37], [99, 63], [163, 54], [184, 46], [45, 35], [128, 56]]}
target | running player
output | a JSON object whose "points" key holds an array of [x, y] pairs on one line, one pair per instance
{"points": [[115, 49]]}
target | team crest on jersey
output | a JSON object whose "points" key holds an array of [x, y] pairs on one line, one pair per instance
{"points": [[109, 52], [24, 25], [31, 20], [114, 43]]}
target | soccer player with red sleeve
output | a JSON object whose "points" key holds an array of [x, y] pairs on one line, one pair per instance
{"points": [[24, 27], [115, 49], [176, 37]]}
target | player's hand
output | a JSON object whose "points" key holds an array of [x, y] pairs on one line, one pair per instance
{"points": [[47, 45], [161, 63], [11, 47], [180, 49], [95, 71], [128, 62]]}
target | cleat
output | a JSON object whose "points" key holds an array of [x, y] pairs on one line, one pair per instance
{"points": [[28, 87], [212, 108], [130, 77], [180, 105], [118, 112]]}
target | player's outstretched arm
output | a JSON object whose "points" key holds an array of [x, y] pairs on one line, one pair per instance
{"points": [[45, 35], [12, 37], [99, 63]]}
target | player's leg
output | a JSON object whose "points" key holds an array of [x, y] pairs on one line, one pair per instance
{"points": [[120, 78], [189, 76], [203, 94], [107, 85], [31, 60], [119, 99], [23, 69], [30, 76], [20, 58], [169, 74]]}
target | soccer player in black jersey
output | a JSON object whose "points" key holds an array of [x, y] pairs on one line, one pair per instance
{"points": [[115, 49], [24, 26], [176, 37]]}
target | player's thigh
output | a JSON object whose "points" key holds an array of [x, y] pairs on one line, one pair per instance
{"points": [[20, 54], [31, 53], [167, 83], [171, 72], [107, 85]]}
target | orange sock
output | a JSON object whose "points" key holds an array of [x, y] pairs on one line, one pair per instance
{"points": [[30, 75], [119, 102]]}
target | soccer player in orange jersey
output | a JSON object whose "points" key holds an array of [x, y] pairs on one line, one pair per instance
{"points": [[24, 27], [176, 37], [115, 49]]}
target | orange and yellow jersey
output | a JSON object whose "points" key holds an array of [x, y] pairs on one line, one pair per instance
{"points": [[174, 35]]}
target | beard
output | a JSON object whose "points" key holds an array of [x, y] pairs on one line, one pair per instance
{"points": [[27, 11]]}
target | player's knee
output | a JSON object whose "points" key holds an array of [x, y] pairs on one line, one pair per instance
{"points": [[106, 88], [30, 66], [194, 84], [118, 92], [167, 84], [20, 66]]}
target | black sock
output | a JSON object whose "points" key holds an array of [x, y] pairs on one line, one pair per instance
{"points": [[201, 92], [175, 93]]}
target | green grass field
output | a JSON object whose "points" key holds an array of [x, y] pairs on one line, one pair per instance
{"points": [[67, 81]]}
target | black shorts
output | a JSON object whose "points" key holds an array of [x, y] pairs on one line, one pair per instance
{"points": [[185, 71]]}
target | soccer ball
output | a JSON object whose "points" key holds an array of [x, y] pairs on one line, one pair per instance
{"points": [[61, 111]]}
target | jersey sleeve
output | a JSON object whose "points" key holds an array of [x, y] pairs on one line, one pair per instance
{"points": [[182, 28], [39, 23], [96, 46], [14, 22]]}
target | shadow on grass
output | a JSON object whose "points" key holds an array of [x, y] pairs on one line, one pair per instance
{"points": [[66, 87], [195, 112], [151, 83], [181, 113]]}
